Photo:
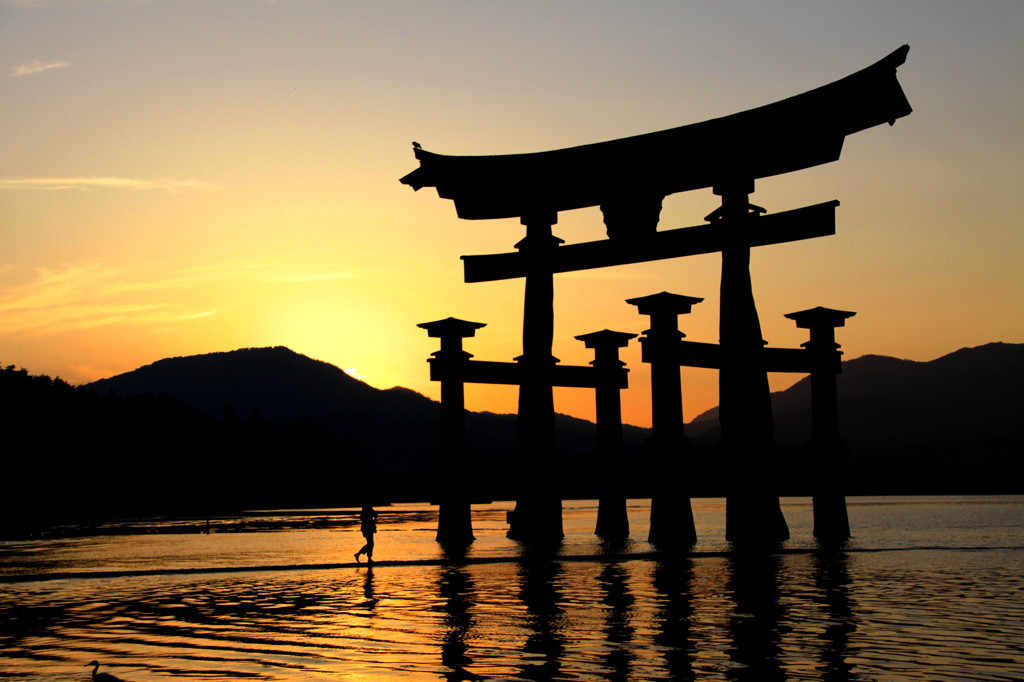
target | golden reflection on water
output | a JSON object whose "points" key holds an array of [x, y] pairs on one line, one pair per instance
{"points": [[911, 614], [750, 618]]}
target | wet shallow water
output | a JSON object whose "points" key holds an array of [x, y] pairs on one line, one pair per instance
{"points": [[933, 589]]}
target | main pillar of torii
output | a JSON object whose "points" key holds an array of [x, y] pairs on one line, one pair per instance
{"points": [[628, 179], [752, 512]]}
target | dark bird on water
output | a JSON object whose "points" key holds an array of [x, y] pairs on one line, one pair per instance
{"points": [[102, 677]]}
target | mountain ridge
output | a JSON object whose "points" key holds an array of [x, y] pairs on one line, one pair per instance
{"points": [[396, 428], [950, 411], [987, 379]]}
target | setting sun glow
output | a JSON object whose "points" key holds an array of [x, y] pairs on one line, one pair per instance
{"points": [[160, 200]]}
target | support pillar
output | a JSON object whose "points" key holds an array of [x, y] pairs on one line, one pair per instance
{"points": [[671, 513], [753, 514], [538, 512], [454, 525], [831, 522], [612, 518]]}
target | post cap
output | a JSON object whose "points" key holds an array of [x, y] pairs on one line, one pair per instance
{"points": [[820, 317], [606, 338], [451, 327], [664, 302]]}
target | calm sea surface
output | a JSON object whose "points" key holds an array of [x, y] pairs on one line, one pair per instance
{"points": [[931, 588]]}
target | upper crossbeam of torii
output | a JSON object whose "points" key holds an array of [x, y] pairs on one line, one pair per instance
{"points": [[622, 175]]}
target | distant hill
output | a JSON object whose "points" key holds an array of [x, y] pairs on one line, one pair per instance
{"points": [[75, 456], [269, 428], [396, 429], [946, 425], [958, 418]]}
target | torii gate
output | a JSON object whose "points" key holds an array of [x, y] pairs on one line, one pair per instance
{"points": [[628, 178]]}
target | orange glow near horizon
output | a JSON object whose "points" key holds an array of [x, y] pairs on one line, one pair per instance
{"points": [[164, 202]]}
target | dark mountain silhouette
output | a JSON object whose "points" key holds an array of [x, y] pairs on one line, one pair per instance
{"points": [[396, 429], [954, 421], [76, 456], [268, 427], [948, 423]]}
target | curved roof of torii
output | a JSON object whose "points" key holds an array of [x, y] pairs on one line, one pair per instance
{"points": [[795, 133]]}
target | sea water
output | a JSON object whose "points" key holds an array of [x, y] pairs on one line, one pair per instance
{"points": [[929, 588]]}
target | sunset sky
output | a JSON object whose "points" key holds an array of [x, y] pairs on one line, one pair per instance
{"points": [[187, 176]]}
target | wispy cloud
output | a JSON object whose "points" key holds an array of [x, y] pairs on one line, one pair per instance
{"points": [[78, 297], [37, 66], [87, 183], [75, 298], [196, 316]]}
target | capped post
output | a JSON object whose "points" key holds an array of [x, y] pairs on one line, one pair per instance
{"points": [[454, 523], [671, 514], [831, 521], [612, 519]]}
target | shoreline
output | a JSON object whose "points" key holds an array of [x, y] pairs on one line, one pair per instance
{"points": [[540, 556]]}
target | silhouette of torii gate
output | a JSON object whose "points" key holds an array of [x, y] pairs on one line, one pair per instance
{"points": [[629, 178]]}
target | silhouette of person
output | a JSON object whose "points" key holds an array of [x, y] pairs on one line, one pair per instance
{"points": [[368, 526]]}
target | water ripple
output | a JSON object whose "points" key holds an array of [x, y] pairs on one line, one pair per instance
{"points": [[942, 614]]}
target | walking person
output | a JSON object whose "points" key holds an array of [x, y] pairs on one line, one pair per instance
{"points": [[367, 526]]}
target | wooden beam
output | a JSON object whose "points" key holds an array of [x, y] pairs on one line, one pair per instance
{"points": [[776, 228], [790, 360], [709, 356], [511, 373]]}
